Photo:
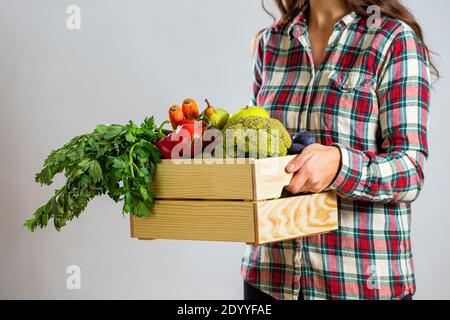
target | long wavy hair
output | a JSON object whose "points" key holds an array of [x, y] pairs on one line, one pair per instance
{"points": [[289, 9]]}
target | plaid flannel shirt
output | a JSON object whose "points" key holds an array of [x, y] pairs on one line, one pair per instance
{"points": [[370, 98]]}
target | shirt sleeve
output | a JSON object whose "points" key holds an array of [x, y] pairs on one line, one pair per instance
{"points": [[396, 174], [257, 68]]}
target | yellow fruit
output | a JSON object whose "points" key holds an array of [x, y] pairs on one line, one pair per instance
{"points": [[249, 111]]}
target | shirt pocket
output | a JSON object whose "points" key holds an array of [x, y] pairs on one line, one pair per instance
{"points": [[352, 82], [351, 106]]}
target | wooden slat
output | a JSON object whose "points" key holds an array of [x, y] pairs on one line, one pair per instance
{"points": [[229, 221], [296, 217], [203, 181], [271, 177], [193, 204]]}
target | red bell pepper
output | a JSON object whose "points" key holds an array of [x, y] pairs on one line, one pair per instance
{"points": [[187, 136], [164, 144], [194, 127], [195, 130]]}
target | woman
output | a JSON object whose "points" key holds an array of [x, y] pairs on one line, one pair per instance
{"points": [[361, 85]]}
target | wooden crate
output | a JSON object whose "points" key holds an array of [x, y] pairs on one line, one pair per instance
{"points": [[233, 202]]}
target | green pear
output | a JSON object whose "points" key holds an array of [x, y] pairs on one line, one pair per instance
{"points": [[218, 117]]}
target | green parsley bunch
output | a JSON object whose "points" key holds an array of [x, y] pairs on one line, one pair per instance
{"points": [[117, 160]]}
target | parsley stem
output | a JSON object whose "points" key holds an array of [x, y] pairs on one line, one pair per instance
{"points": [[131, 158]]}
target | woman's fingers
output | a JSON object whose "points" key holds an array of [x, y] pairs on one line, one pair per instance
{"points": [[296, 164], [298, 182]]}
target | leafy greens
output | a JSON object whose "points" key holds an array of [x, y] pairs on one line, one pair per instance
{"points": [[117, 160]]}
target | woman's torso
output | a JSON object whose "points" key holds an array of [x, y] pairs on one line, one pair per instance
{"points": [[370, 255]]}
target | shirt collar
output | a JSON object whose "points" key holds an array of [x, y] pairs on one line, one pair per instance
{"points": [[299, 25]]}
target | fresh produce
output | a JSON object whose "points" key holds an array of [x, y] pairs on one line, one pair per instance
{"points": [[176, 115], [300, 141], [263, 137], [187, 111], [218, 117], [165, 144], [187, 136], [194, 141], [305, 138], [190, 109], [120, 160], [117, 160], [248, 111], [194, 127], [296, 148], [189, 127]]}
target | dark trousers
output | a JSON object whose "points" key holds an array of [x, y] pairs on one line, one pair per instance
{"points": [[251, 293]]}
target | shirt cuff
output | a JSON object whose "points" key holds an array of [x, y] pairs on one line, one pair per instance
{"points": [[350, 173]]}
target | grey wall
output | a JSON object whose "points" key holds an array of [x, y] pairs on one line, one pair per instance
{"points": [[132, 59]]}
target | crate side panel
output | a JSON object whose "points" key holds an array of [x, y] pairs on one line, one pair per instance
{"points": [[297, 217], [271, 177], [203, 181], [229, 221]]}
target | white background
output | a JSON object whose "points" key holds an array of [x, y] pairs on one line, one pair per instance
{"points": [[132, 59]]}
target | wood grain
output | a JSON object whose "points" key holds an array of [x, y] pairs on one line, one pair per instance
{"points": [[232, 203], [229, 221], [203, 181], [270, 177], [296, 217], [239, 221], [248, 179]]}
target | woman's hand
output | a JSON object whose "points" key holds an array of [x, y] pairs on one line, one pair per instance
{"points": [[315, 168]]}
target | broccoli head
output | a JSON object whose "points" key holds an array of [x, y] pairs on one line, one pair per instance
{"points": [[256, 137]]}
